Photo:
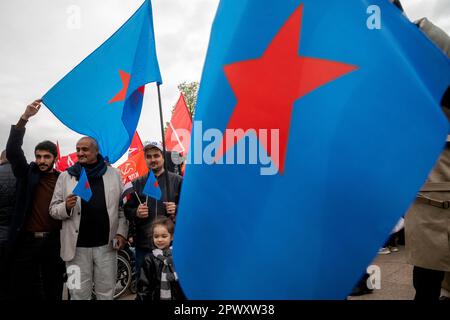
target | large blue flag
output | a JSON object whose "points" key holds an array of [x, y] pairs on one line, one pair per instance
{"points": [[349, 116], [102, 96], [83, 188]]}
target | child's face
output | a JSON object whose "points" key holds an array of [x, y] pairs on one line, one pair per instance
{"points": [[161, 237]]}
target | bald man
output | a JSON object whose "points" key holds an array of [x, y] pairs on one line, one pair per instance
{"points": [[90, 228]]}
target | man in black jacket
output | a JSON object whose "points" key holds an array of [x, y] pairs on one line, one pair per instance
{"points": [[141, 212], [7, 200], [36, 268]]}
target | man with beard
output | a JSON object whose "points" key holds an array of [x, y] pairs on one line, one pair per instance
{"points": [[36, 270], [142, 211], [90, 228]]}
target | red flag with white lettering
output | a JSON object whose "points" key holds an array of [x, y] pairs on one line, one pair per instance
{"points": [[64, 162], [133, 168], [135, 146], [178, 134]]}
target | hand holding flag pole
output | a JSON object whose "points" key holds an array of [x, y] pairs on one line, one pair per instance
{"points": [[71, 201], [156, 205]]}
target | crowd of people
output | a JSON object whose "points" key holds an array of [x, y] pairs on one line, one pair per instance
{"points": [[46, 229]]}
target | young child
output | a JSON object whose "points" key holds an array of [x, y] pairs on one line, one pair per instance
{"points": [[158, 279]]}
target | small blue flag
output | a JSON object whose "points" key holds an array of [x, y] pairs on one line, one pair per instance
{"points": [[83, 188], [347, 116], [102, 96], [151, 187]]}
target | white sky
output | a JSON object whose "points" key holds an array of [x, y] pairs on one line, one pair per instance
{"points": [[39, 45]]}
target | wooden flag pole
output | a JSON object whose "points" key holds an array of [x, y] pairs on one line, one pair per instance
{"points": [[137, 196]]}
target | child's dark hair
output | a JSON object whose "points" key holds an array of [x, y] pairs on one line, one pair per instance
{"points": [[47, 146], [164, 221]]}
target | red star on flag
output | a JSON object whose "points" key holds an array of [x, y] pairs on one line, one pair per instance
{"points": [[121, 95], [267, 87]]}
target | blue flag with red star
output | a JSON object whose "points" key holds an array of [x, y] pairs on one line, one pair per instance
{"points": [[151, 188], [349, 120], [83, 188], [102, 96]]}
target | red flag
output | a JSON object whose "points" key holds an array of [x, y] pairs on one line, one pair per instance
{"points": [[64, 162], [135, 146], [133, 168], [178, 133]]}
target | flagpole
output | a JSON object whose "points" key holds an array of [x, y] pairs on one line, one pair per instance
{"points": [[163, 143]]}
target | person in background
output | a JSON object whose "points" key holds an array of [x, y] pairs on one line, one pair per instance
{"points": [[427, 223], [7, 200]]}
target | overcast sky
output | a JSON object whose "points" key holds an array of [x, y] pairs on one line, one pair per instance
{"points": [[42, 40]]}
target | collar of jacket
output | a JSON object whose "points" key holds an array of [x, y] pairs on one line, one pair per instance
{"points": [[96, 171]]}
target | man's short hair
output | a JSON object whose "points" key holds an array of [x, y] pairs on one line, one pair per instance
{"points": [[47, 146]]}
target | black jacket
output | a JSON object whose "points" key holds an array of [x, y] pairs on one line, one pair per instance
{"points": [[149, 283], [27, 175], [7, 194], [140, 228]]}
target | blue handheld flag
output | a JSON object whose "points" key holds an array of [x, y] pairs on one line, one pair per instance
{"points": [[83, 189], [151, 187]]}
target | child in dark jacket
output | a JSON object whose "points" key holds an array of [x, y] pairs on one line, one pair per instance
{"points": [[158, 279]]}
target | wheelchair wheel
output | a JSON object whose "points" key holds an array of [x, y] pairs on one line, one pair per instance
{"points": [[124, 275]]}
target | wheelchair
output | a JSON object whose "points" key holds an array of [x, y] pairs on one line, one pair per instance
{"points": [[126, 275]]}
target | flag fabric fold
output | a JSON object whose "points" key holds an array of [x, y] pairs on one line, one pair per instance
{"points": [[102, 96], [359, 128]]}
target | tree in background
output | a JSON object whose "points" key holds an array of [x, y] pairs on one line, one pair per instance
{"points": [[189, 91]]}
